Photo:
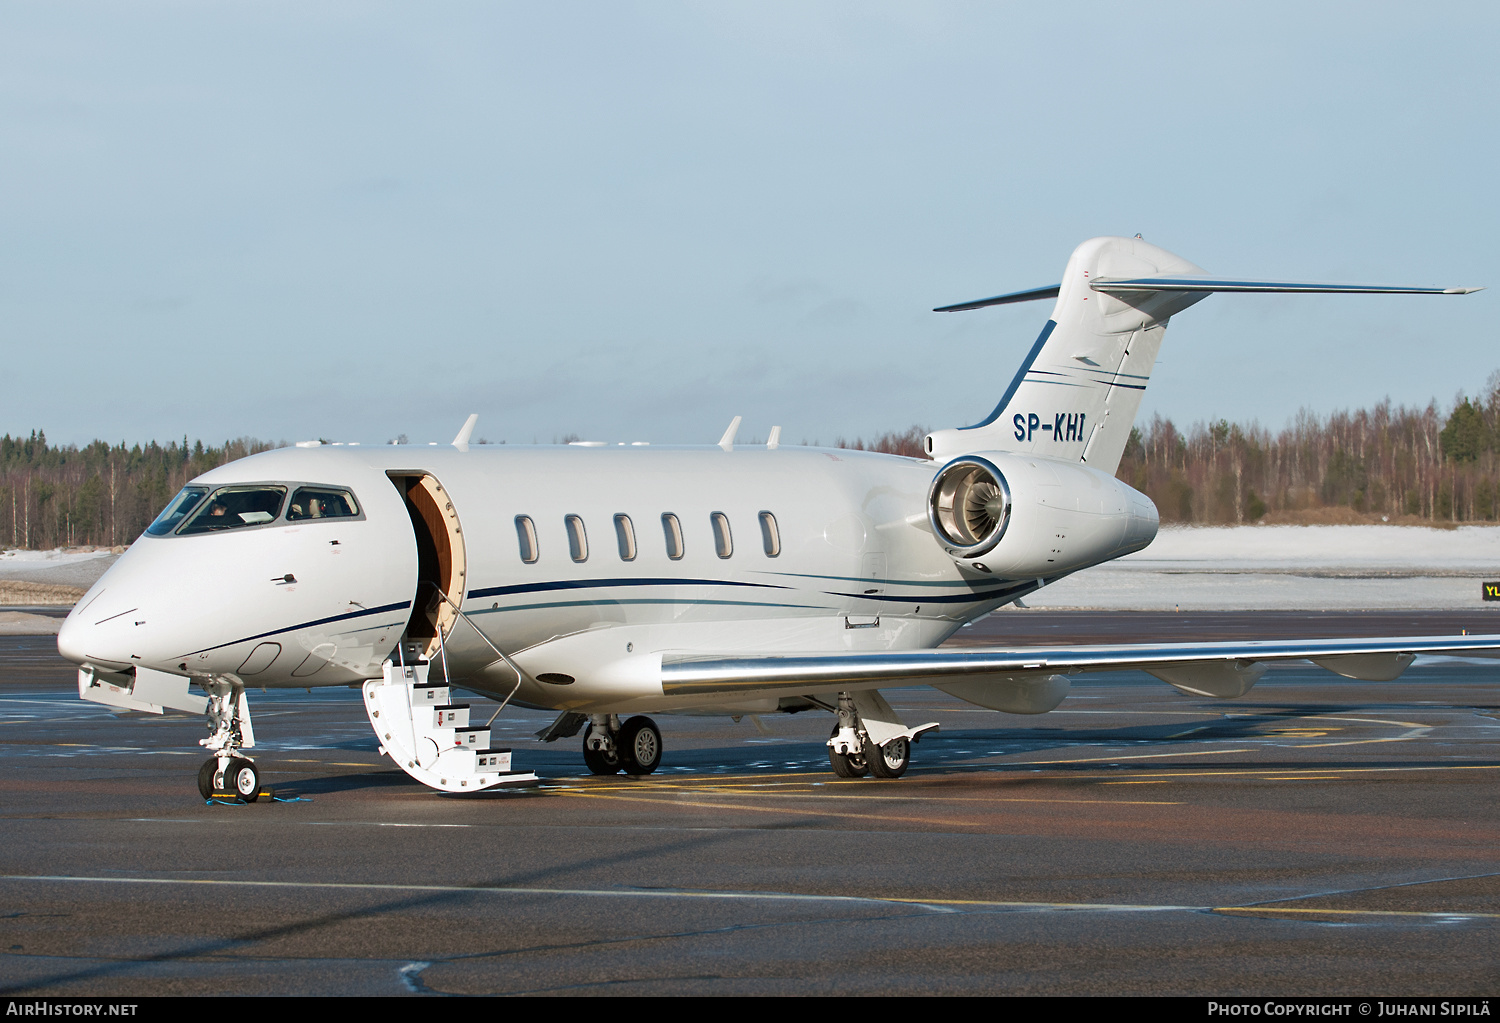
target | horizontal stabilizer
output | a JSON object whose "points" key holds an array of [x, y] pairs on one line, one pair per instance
{"points": [[1035, 294], [1138, 285]]}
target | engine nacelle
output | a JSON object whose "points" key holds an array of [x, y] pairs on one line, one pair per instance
{"points": [[1024, 517]]}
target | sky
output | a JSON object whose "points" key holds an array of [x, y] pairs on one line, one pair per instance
{"points": [[633, 221]]}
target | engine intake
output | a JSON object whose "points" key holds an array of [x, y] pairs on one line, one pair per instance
{"points": [[969, 506]]}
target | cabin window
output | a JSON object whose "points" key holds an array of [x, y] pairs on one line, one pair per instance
{"points": [[182, 505], [526, 538], [723, 542], [235, 508], [625, 536], [770, 536], [578, 540], [321, 503], [673, 531]]}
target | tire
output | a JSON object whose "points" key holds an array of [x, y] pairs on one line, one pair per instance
{"points": [[890, 760], [241, 778], [846, 765], [598, 761], [206, 777], [640, 746]]}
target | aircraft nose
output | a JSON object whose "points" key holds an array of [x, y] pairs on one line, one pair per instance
{"points": [[71, 640], [107, 636]]}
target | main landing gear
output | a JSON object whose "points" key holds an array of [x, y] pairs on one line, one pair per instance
{"points": [[610, 747], [869, 739], [227, 772]]}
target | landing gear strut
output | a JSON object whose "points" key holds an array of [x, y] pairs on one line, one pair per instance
{"points": [[227, 771], [846, 746], [610, 747]]}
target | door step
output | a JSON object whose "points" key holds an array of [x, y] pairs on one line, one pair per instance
{"points": [[430, 738]]}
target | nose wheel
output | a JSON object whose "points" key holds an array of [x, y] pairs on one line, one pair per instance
{"points": [[234, 776]]}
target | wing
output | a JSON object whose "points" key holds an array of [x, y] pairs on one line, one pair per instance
{"points": [[1208, 669]]}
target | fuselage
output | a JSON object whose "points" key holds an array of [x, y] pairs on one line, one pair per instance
{"points": [[584, 564]]}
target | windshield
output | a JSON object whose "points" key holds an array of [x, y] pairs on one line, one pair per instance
{"points": [[186, 500], [235, 507]]}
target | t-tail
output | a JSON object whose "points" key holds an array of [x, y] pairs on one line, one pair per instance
{"points": [[1077, 392]]}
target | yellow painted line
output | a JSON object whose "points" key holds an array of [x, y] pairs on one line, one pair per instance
{"points": [[1136, 756], [1190, 731], [1248, 770], [1161, 782], [710, 790], [825, 813], [1271, 910], [1305, 777], [1366, 721]]}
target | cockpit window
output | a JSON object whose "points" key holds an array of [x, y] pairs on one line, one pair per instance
{"points": [[321, 503], [235, 507], [181, 506]]}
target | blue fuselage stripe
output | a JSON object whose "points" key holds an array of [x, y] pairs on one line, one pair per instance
{"points": [[312, 624]]}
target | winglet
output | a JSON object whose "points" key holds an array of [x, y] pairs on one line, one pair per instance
{"points": [[775, 440], [462, 440], [727, 441]]}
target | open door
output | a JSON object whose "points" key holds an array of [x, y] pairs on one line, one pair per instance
{"points": [[441, 565]]}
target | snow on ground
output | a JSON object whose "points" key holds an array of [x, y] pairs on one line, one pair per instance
{"points": [[1338, 548], [70, 567], [20, 623], [1291, 568]]}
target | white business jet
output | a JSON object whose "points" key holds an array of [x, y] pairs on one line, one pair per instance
{"points": [[608, 582]]}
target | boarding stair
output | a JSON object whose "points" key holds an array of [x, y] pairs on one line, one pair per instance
{"points": [[429, 737]]}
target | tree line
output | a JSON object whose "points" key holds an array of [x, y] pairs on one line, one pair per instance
{"points": [[1386, 463], [100, 495]]}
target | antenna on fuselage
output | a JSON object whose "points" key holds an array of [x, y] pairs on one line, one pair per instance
{"points": [[462, 440], [727, 441]]}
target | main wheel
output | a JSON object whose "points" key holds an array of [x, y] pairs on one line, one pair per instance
{"points": [[206, 777], [890, 760], [599, 761], [241, 778], [846, 765], [640, 746]]}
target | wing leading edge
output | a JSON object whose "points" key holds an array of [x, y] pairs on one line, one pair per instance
{"points": [[1372, 660]]}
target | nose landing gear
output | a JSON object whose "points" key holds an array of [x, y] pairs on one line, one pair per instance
{"points": [[227, 772]]}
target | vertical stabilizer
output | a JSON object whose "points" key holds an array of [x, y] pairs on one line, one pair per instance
{"points": [[1076, 395]]}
